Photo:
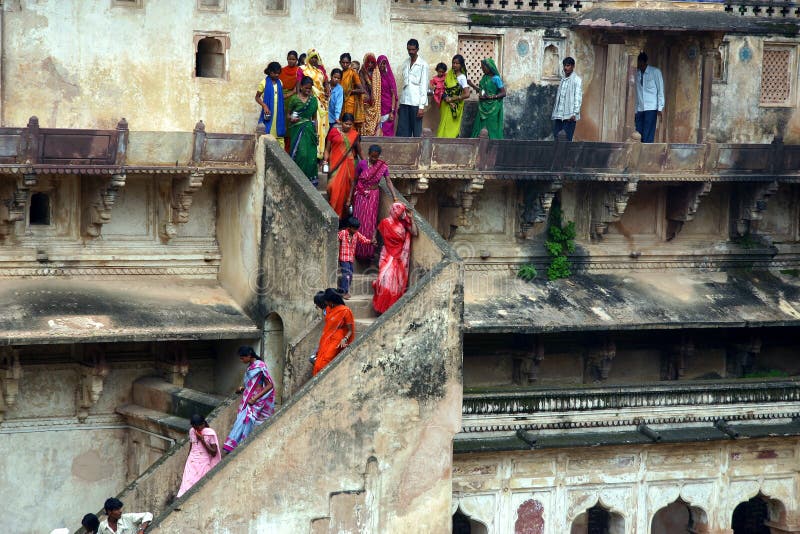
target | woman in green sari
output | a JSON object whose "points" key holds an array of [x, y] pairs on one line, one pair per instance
{"points": [[490, 106], [456, 90], [302, 108]]}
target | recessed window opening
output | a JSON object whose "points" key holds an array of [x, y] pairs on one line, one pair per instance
{"points": [[210, 58], [39, 213]]}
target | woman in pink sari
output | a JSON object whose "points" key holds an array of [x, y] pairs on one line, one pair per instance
{"points": [[367, 196], [258, 398], [204, 453], [396, 230], [389, 98]]}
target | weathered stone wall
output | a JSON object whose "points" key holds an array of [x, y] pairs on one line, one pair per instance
{"points": [[387, 407], [633, 482]]}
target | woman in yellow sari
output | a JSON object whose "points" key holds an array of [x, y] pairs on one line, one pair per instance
{"points": [[353, 91], [315, 70], [371, 77]]}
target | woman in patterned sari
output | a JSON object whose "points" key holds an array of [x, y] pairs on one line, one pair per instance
{"points": [[389, 98], [258, 398], [490, 101], [396, 230], [302, 112], [341, 148], [315, 70], [371, 78], [353, 92], [456, 90], [367, 197]]}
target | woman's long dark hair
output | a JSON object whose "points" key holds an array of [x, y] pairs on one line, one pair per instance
{"points": [[333, 297], [461, 62], [247, 350]]}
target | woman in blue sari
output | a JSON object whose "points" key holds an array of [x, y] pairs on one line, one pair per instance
{"points": [[258, 398], [302, 130], [270, 97]]}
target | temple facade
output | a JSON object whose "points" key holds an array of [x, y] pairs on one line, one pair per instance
{"points": [[598, 336]]}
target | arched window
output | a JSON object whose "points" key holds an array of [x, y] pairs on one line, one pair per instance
{"points": [[210, 58], [679, 516], [598, 520], [463, 524], [749, 517], [39, 213]]}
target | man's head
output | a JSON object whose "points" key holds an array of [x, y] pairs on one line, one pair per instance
{"points": [[569, 65], [113, 507], [412, 46], [641, 61], [90, 523], [352, 224]]}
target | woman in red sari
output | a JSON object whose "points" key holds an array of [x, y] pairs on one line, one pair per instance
{"points": [[339, 330], [396, 230], [341, 147], [290, 84]]}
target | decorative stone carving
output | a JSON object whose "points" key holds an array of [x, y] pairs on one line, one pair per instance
{"points": [[10, 374], [673, 364], [682, 204], [12, 208], [94, 371], [174, 363], [98, 212], [537, 199], [598, 361], [467, 197], [181, 198], [752, 203], [612, 205], [413, 189]]}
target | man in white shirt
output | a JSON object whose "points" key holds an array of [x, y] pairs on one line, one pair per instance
{"points": [[649, 98], [119, 523], [567, 110], [414, 96]]}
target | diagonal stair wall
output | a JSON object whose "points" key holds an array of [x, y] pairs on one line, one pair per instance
{"points": [[388, 406]]}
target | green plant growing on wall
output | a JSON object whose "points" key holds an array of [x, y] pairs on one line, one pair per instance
{"points": [[560, 243], [527, 272]]}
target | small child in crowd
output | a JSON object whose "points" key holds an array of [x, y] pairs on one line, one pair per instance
{"points": [[355, 65], [347, 250], [336, 100], [437, 83]]}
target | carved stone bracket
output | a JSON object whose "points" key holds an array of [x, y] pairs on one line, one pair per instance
{"points": [[12, 208], [612, 205], [752, 204], [183, 190], [105, 195], [526, 363], [675, 358], [598, 361], [94, 371], [412, 189], [537, 199], [10, 374], [742, 357], [682, 204], [467, 197], [174, 363]]}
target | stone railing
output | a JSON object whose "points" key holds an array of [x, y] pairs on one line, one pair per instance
{"points": [[382, 413], [435, 158], [623, 405]]}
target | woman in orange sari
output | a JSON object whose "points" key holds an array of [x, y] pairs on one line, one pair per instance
{"points": [[353, 91], [396, 230], [341, 147], [371, 77], [339, 330]]}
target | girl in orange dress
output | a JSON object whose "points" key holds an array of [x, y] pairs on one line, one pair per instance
{"points": [[339, 330], [341, 147]]}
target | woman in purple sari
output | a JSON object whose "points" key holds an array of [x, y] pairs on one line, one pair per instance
{"points": [[258, 398], [389, 98], [366, 197]]}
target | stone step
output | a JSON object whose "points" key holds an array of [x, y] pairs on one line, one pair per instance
{"points": [[154, 421], [363, 324], [362, 284], [361, 306], [157, 394]]}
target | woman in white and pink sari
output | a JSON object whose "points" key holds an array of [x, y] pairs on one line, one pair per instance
{"points": [[258, 398]]}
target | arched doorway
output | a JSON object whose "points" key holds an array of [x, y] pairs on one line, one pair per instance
{"points": [[750, 517], [463, 524], [598, 520], [679, 517]]}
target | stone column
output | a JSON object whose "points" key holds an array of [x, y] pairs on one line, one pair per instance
{"points": [[633, 45], [709, 54]]}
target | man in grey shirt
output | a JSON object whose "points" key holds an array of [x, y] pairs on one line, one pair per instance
{"points": [[414, 97], [567, 110]]}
